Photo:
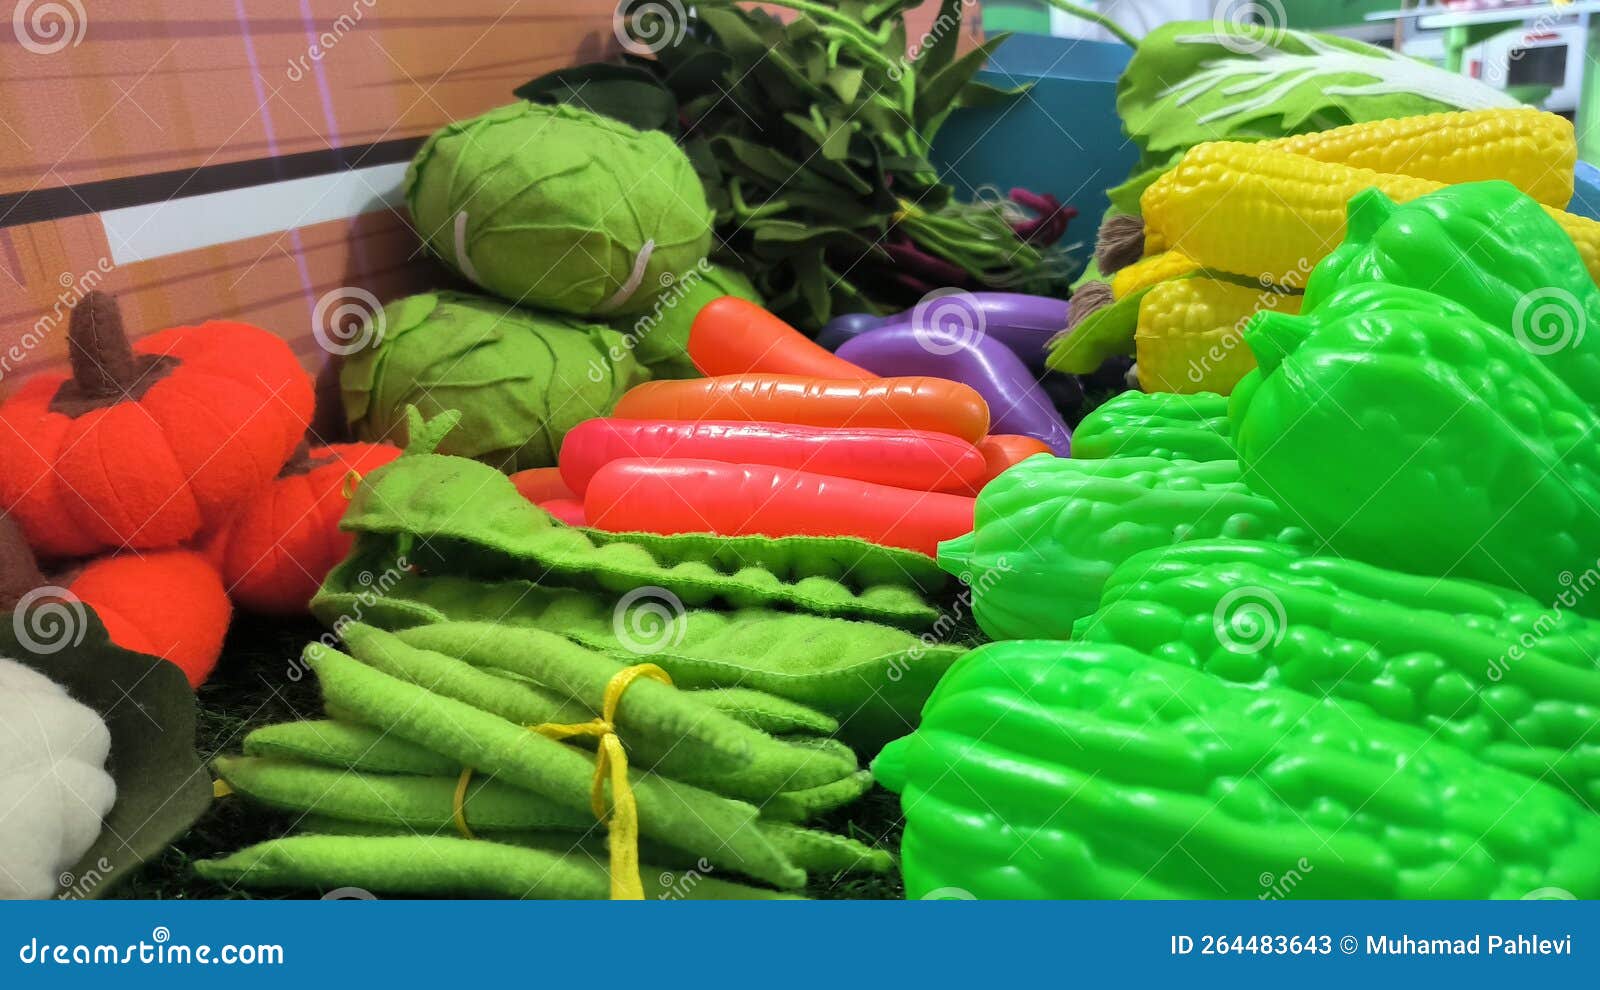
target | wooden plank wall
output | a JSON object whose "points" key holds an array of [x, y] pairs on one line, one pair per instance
{"points": [[117, 99]]}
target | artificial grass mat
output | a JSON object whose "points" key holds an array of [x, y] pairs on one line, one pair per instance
{"points": [[260, 681]]}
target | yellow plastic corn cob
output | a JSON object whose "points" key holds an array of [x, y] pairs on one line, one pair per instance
{"points": [[1252, 210], [1190, 334], [1531, 149], [1148, 271]]}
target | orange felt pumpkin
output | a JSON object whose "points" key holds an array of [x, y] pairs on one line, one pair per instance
{"points": [[169, 603], [142, 446], [275, 550]]}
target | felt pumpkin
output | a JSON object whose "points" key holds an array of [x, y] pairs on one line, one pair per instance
{"points": [[168, 603], [275, 550], [143, 445]]}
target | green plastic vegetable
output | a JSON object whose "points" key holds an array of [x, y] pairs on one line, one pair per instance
{"points": [[1408, 432], [1489, 248], [1048, 769], [519, 378], [1156, 424], [1049, 531], [1103, 334], [559, 208], [1482, 668]]}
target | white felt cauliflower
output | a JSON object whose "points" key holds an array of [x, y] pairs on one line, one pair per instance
{"points": [[54, 790]]}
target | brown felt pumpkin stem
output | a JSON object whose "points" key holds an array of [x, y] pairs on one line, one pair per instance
{"points": [[301, 461], [103, 364], [19, 570]]}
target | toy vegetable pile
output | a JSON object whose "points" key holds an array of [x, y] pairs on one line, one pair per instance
{"points": [[116, 473], [1233, 229], [786, 440], [1358, 645]]}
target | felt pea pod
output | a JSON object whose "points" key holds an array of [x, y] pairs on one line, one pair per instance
{"points": [[873, 678], [666, 727], [662, 729], [767, 712], [349, 745], [1022, 322], [685, 817], [1016, 403], [428, 865], [362, 748]]}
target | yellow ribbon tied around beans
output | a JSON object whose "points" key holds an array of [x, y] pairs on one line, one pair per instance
{"points": [[611, 760]]}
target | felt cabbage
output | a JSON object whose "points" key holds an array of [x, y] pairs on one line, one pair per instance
{"points": [[54, 789], [560, 208], [660, 338], [520, 379]]}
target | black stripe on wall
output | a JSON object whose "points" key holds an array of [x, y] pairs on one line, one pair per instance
{"points": [[39, 205]]}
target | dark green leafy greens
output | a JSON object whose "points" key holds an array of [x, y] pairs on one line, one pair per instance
{"points": [[812, 137]]}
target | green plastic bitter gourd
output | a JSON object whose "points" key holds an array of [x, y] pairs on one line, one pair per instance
{"points": [[1086, 770], [1049, 531], [1483, 668], [1156, 424], [1408, 432]]}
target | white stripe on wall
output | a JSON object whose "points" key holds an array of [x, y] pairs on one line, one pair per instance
{"points": [[140, 233]]}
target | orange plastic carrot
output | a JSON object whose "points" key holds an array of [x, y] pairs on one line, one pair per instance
{"points": [[696, 496], [1002, 450], [886, 403], [732, 336], [541, 484]]}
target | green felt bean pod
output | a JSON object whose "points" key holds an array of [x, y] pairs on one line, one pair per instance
{"points": [[350, 745], [438, 866], [681, 815], [668, 728]]}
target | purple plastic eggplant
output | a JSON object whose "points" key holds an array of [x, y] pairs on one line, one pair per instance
{"points": [[1022, 322], [841, 328], [1016, 402]]}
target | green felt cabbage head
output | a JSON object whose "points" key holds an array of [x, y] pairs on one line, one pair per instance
{"points": [[519, 378], [551, 206], [660, 337]]}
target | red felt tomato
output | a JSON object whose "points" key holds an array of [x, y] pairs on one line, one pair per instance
{"points": [[142, 446], [275, 550]]}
